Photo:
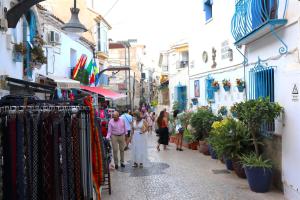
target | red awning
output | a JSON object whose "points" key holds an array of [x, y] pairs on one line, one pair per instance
{"points": [[104, 92]]}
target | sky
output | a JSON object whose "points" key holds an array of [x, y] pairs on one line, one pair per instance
{"points": [[155, 23]]}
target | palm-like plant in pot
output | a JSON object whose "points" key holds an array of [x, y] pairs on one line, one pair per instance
{"points": [[230, 139], [202, 121], [255, 113]]}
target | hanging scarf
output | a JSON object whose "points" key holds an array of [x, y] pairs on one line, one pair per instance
{"points": [[97, 167]]}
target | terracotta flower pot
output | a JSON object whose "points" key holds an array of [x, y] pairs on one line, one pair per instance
{"points": [[238, 169], [193, 145], [203, 148]]}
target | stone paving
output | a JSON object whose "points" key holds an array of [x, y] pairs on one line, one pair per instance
{"points": [[174, 175]]}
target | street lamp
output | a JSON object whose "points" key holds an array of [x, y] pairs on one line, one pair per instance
{"points": [[74, 25]]}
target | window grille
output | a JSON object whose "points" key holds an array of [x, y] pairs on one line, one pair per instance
{"points": [[261, 84]]}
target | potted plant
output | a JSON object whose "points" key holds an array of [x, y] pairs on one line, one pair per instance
{"points": [[223, 111], [240, 84], [19, 51], [255, 113], [258, 172], [226, 85], [201, 121], [187, 138], [215, 85], [233, 111], [37, 53], [194, 101]]}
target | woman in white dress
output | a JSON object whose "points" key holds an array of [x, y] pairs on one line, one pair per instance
{"points": [[139, 141]]}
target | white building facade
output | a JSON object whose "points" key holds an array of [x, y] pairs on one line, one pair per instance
{"points": [[267, 72]]}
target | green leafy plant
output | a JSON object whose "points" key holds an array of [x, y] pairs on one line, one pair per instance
{"points": [[185, 118], [201, 121], [254, 113], [187, 136], [253, 160], [20, 48], [37, 52], [230, 138], [37, 55], [175, 105]]}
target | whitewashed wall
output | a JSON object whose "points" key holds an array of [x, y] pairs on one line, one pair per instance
{"points": [[7, 65], [59, 57]]}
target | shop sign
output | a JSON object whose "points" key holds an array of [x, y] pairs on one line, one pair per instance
{"points": [[295, 93]]}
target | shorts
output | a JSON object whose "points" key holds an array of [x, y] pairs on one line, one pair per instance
{"points": [[128, 134]]}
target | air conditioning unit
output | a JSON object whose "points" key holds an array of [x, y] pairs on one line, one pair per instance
{"points": [[3, 21], [3, 24], [54, 38]]}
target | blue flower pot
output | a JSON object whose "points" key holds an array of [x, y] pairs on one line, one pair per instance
{"points": [[224, 113], [216, 88], [234, 114], [228, 163], [17, 57], [241, 88], [259, 179], [226, 88], [212, 152]]}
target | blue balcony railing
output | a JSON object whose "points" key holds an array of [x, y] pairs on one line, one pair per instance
{"points": [[254, 18]]}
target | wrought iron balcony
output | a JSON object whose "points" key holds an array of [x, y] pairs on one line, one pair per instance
{"points": [[254, 18]]}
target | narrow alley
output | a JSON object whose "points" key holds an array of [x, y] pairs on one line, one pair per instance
{"points": [[175, 175]]}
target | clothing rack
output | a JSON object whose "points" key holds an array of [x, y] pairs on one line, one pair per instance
{"points": [[50, 133]]}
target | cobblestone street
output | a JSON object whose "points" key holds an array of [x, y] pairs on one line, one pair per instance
{"points": [[180, 175]]}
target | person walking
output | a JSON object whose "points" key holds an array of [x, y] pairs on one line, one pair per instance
{"points": [[117, 131], [139, 141], [179, 131], [162, 123], [127, 118]]}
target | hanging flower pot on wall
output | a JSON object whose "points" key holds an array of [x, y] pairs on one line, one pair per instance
{"points": [[240, 88], [17, 57], [195, 101], [18, 52], [240, 85], [215, 86], [226, 88], [226, 85]]}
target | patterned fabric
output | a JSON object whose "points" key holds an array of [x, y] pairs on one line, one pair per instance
{"points": [[35, 152], [56, 154], [76, 157], [1, 154], [48, 159], [64, 159], [20, 157], [28, 155], [70, 163]]}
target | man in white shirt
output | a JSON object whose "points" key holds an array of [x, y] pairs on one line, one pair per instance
{"points": [[127, 118]]}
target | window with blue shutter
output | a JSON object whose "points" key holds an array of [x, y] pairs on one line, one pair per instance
{"points": [[207, 7], [261, 84], [181, 97], [210, 93]]}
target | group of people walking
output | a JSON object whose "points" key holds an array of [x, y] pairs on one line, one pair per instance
{"points": [[132, 128]]}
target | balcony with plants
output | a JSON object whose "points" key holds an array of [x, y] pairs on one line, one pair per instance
{"points": [[255, 18]]}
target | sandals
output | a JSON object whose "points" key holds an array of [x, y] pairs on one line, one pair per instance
{"points": [[135, 165], [158, 149]]}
